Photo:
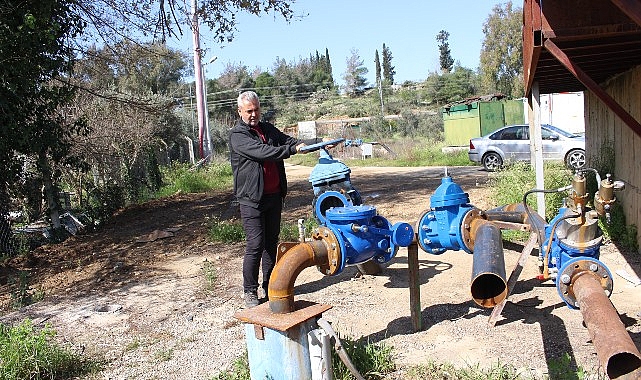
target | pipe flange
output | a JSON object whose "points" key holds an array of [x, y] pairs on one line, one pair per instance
{"points": [[466, 227], [582, 267], [334, 260]]}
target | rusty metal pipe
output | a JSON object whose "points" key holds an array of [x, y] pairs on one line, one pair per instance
{"points": [[615, 349], [489, 286], [280, 291], [517, 213]]}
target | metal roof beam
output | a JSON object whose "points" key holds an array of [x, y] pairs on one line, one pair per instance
{"points": [[630, 8], [592, 86]]}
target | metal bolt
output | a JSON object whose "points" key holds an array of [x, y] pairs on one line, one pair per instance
{"points": [[334, 262], [594, 267], [425, 227], [427, 241], [333, 245], [565, 279]]}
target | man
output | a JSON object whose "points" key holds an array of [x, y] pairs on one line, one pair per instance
{"points": [[257, 150]]}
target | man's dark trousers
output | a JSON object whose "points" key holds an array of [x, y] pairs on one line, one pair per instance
{"points": [[262, 227]]}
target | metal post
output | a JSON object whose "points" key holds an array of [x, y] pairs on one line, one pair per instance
{"points": [[415, 286]]}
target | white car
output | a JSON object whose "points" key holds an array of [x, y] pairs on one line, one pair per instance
{"points": [[512, 143]]}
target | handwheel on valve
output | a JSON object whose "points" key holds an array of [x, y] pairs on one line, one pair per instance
{"points": [[320, 145]]}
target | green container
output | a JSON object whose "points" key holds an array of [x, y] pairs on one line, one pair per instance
{"points": [[461, 122]]}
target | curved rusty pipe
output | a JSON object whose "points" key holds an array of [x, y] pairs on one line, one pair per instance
{"points": [[281, 282], [489, 285], [615, 349]]}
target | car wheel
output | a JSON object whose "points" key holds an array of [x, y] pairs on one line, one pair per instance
{"points": [[492, 161], [575, 159]]}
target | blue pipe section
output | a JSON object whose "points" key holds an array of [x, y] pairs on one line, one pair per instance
{"points": [[439, 229]]}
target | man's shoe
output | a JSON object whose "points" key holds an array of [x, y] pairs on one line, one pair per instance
{"points": [[251, 299]]}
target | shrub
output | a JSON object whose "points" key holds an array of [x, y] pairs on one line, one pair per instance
{"points": [[26, 353]]}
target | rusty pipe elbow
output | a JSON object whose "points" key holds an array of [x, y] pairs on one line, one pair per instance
{"points": [[280, 291]]}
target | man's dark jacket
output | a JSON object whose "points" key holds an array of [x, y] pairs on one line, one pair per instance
{"points": [[247, 152]]}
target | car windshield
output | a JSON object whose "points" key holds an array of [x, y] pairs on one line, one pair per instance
{"points": [[560, 131]]}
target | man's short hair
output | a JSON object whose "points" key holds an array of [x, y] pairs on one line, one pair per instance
{"points": [[248, 96]]}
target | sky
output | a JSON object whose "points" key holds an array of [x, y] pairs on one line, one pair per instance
{"points": [[407, 27]]}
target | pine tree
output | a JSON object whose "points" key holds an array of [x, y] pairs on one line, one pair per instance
{"points": [[445, 56], [377, 65], [355, 80], [388, 69]]}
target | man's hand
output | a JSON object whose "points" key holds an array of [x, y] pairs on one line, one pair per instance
{"points": [[299, 147], [328, 139]]}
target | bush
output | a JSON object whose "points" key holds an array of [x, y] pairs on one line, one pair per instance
{"points": [[186, 179], [26, 353], [514, 181]]}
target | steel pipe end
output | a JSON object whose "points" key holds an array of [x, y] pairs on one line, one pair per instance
{"points": [[624, 365], [282, 305], [488, 289]]}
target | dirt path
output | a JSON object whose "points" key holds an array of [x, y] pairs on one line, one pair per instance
{"points": [[147, 307]]}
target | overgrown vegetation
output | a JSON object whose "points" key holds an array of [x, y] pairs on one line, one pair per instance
{"points": [[373, 361], [512, 183], [184, 178], [617, 230], [30, 353]]}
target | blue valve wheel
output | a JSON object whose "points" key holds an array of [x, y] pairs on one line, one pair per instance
{"points": [[320, 145]]}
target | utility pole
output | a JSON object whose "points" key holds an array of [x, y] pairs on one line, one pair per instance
{"points": [[198, 77], [207, 138]]}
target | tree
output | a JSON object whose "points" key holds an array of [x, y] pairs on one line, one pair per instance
{"points": [[501, 61], [355, 80], [133, 117], [388, 69], [377, 65], [113, 21], [35, 58], [445, 57], [449, 87]]}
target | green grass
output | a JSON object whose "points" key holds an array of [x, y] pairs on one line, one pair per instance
{"points": [[239, 371], [186, 179], [209, 272], [373, 361], [30, 353], [226, 231], [438, 371], [409, 153], [509, 185]]}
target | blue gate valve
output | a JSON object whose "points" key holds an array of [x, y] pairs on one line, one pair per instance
{"points": [[362, 234], [442, 227], [331, 182]]}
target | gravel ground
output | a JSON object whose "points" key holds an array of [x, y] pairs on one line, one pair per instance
{"points": [[148, 309]]}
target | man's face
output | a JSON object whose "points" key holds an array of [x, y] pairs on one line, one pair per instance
{"points": [[250, 112]]}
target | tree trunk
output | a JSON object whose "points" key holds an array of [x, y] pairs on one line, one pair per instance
{"points": [[51, 191]]}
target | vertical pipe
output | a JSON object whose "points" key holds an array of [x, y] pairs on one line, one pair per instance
{"points": [[489, 286], [617, 353]]}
